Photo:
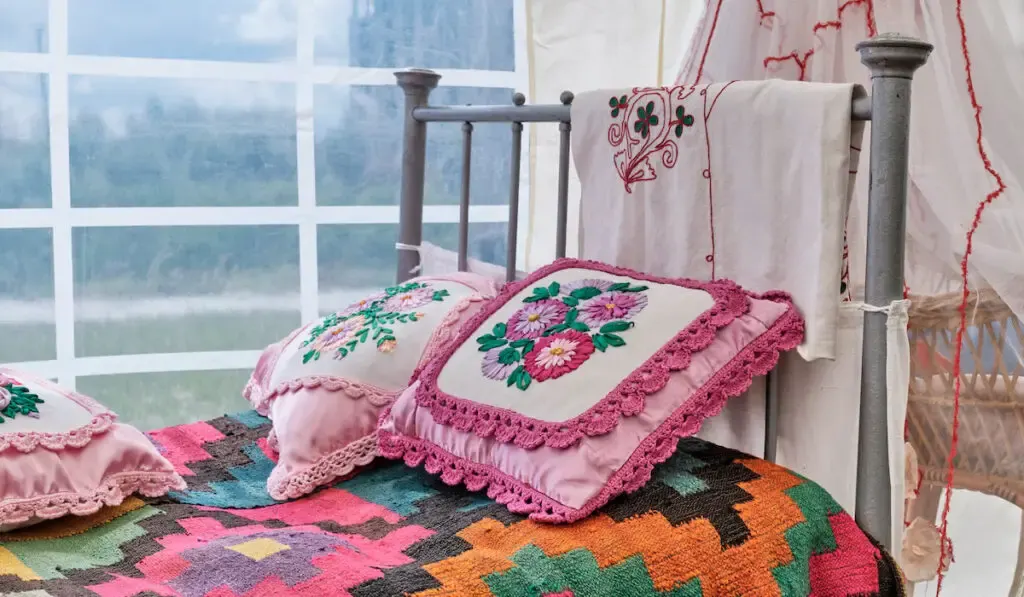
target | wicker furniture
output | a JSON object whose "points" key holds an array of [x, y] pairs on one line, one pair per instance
{"points": [[990, 452]]}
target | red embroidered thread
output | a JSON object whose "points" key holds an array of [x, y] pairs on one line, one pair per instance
{"points": [[754, 360], [625, 400], [968, 249], [707, 46], [801, 59], [651, 133], [706, 173]]}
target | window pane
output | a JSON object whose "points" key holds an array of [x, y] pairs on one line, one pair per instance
{"points": [[180, 289], [359, 131], [236, 30], [156, 400], [358, 259], [23, 25], [24, 140], [475, 34], [26, 296], [166, 143]]}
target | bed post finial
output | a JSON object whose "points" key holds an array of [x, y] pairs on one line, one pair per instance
{"points": [[417, 84], [892, 58]]}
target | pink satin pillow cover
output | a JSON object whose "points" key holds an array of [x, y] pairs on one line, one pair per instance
{"points": [[62, 454], [567, 389], [324, 385]]}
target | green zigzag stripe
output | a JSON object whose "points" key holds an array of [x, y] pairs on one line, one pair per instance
{"points": [[811, 537], [94, 548], [536, 574]]}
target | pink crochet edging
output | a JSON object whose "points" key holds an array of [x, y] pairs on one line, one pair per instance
{"points": [[756, 359], [445, 333], [255, 390], [111, 492], [326, 469], [27, 441], [625, 400]]}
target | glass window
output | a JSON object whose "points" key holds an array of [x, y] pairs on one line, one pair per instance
{"points": [[24, 141], [476, 34], [26, 296], [234, 30], [178, 289], [359, 128], [23, 26], [168, 143], [156, 400]]}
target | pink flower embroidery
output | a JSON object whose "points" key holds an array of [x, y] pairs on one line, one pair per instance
{"points": [[339, 334], [410, 299], [611, 306], [5, 396], [493, 366], [534, 318], [361, 304], [601, 285], [555, 355]]}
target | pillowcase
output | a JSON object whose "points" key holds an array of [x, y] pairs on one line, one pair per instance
{"points": [[324, 385], [569, 387], [63, 453]]}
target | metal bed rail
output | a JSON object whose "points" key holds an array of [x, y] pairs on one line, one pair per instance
{"points": [[892, 60]]}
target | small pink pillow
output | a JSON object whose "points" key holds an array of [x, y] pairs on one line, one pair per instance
{"points": [[324, 385], [569, 387], [64, 454]]}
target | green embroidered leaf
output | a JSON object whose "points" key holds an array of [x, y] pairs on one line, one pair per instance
{"points": [[385, 339], [362, 334], [615, 113], [587, 292], [485, 339], [499, 330], [539, 294], [622, 99], [618, 287], [571, 316], [528, 347], [439, 295], [613, 102], [352, 345], [640, 113], [842, 288], [650, 108], [555, 329], [614, 340], [312, 355], [378, 333], [679, 130], [508, 356], [497, 343], [524, 380], [616, 326], [520, 343], [679, 111], [553, 288], [342, 352], [579, 326], [638, 126], [652, 120], [688, 120], [514, 376], [636, 289], [571, 301], [600, 343]]}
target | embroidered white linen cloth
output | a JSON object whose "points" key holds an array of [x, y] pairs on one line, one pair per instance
{"points": [[748, 180]]}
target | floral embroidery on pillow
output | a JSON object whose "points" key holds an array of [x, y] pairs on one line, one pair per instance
{"points": [[370, 319], [558, 328], [16, 399]]}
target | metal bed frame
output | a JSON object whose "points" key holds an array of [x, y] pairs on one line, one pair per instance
{"points": [[892, 60]]}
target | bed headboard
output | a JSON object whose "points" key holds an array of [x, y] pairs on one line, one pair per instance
{"points": [[892, 60]]}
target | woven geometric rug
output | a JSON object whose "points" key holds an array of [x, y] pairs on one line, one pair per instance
{"points": [[712, 522]]}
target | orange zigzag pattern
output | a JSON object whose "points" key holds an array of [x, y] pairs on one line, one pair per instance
{"points": [[673, 555]]}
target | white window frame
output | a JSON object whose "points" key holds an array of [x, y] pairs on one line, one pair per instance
{"points": [[305, 74]]}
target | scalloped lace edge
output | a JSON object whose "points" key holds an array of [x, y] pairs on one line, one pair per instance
{"points": [[113, 490], [445, 333], [756, 359], [326, 469], [353, 389], [27, 441], [626, 399]]}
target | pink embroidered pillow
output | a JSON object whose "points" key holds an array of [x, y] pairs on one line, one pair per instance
{"points": [[324, 385], [62, 453], [566, 389]]}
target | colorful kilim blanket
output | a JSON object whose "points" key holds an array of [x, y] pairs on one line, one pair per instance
{"points": [[712, 522]]}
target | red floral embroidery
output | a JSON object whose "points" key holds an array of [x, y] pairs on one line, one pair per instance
{"points": [[644, 126], [555, 355]]}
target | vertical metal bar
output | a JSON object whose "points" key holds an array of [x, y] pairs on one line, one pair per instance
{"points": [[771, 415], [562, 221], [467, 158], [892, 60], [417, 84], [513, 197]]}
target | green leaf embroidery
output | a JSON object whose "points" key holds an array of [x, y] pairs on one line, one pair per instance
{"points": [[508, 356], [614, 340], [498, 343], [616, 326], [571, 301], [521, 343], [579, 326], [513, 378], [618, 287], [600, 343], [499, 330], [22, 402], [524, 380], [555, 329], [571, 316], [553, 288], [587, 292], [485, 339]]}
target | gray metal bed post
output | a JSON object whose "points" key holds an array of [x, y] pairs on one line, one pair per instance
{"points": [[892, 59], [417, 85]]}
